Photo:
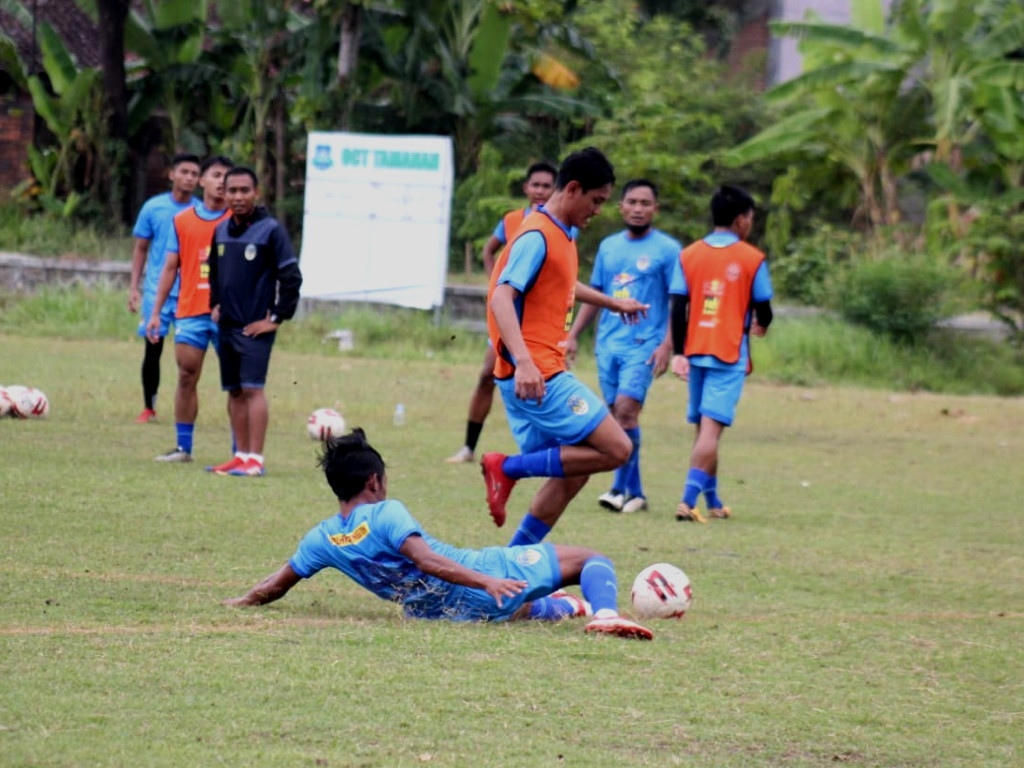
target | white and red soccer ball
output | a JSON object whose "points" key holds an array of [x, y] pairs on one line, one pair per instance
{"points": [[325, 423], [23, 402], [661, 591]]}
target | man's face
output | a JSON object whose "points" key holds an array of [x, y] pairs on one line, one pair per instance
{"points": [[212, 182], [583, 206], [638, 207], [184, 177], [240, 193], [538, 187]]}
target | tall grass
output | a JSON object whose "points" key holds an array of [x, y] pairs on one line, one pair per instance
{"points": [[45, 236], [808, 351]]}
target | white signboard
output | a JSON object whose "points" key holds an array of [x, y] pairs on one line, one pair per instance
{"points": [[377, 210]]}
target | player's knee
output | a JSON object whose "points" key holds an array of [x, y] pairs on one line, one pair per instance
{"points": [[621, 450]]}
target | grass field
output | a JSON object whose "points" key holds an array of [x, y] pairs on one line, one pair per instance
{"points": [[864, 607]]}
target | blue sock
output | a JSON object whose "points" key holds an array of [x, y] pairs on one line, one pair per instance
{"points": [[631, 468], [234, 445], [545, 463], [551, 609], [711, 493], [185, 436], [599, 585], [531, 530], [696, 479]]}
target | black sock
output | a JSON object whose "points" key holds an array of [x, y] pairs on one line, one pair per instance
{"points": [[151, 372], [473, 429]]}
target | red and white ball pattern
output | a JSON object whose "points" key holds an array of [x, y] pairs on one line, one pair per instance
{"points": [[23, 402], [325, 423]]}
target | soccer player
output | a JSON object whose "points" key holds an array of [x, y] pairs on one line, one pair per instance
{"points": [[564, 432], [378, 544], [539, 184], [254, 287], [720, 295], [152, 230], [638, 263], [187, 264]]}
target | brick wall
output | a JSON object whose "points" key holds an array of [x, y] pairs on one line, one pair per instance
{"points": [[16, 118], [749, 51]]}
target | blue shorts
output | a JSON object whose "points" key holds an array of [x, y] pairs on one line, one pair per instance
{"points": [[714, 392], [166, 314], [198, 331], [536, 564], [244, 360], [566, 415], [626, 374]]}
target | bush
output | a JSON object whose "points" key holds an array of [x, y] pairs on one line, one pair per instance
{"points": [[801, 271], [898, 297]]}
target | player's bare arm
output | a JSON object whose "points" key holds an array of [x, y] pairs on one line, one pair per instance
{"points": [[266, 325], [584, 317], [631, 310], [272, 588], [529, 382], [491, 248], [163, 289], [433, 564], [139, 254]]}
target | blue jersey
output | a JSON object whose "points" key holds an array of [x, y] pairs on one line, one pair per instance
{"points": [[761, 290], [502, 236], [365, 547], [641, 269], [156, 224]]}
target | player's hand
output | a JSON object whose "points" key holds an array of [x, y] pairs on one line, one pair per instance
{"points": [[529, 382], [215, 315], [260, 326], [681, 367], [133, 300], [756, 329], [237, 602], [660, 359], [631, 311], [499, 588], [571, 348], [153, 329]]}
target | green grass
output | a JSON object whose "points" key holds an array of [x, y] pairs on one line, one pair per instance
{"points": [[862, 608]]}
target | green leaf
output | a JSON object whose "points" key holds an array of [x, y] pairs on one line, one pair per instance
{"points": [[47, 107], [829, 78], [787, 135], [56, 60], [848, 37], [488, 50]]}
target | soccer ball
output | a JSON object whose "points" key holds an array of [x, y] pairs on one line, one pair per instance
{"points": [[661, 591], [325, 423], [5, 402], [28, 402]]}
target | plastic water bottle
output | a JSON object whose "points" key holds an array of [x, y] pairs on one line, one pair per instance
{"points": [[399, 418]]}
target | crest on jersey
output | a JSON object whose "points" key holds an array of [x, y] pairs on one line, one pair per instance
{"points": [[250, 252], [643, 263], [528, 557], [732, 272]]}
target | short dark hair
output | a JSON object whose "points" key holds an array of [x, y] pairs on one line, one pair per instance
{"points": [[242, 170], [213, 160], [184, 157], [728, 203], [589, 167], [349, 462], [632, 184], [542, 166]]}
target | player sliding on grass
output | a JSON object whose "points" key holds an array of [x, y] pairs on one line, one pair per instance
{"points": [[380, 546]]}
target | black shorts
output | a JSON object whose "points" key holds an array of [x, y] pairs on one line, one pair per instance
{"points": [[244, 360]]}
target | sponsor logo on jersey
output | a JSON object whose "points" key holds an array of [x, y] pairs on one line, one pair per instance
{"points": [[732, 273], [578, 405], [528, 557], [347, 539]]}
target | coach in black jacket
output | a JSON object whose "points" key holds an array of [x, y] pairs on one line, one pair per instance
{"points": [[254, 287]]}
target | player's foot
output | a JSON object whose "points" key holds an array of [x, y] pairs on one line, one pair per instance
{"points": [[251, 468], [580, 607], [499, 485], [612, 500], [721, 513], [463, 456], [685, 513], [634, 504], [227, 466], [620, 627], [178, 455], [147, 415]]}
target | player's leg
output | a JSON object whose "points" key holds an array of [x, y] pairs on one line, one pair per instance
{"points": [[595, 574], [189, 358], [150, 359], [608, 367], [230, 341], [255, 362], [480, 403], [635, 379]]}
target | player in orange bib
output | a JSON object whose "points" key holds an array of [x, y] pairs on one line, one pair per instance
{"points": [[539, 184], [188, 253], [564, 431], [721, 293]]}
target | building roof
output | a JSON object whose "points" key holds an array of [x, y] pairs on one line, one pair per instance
{"points": [[74, 26]]}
